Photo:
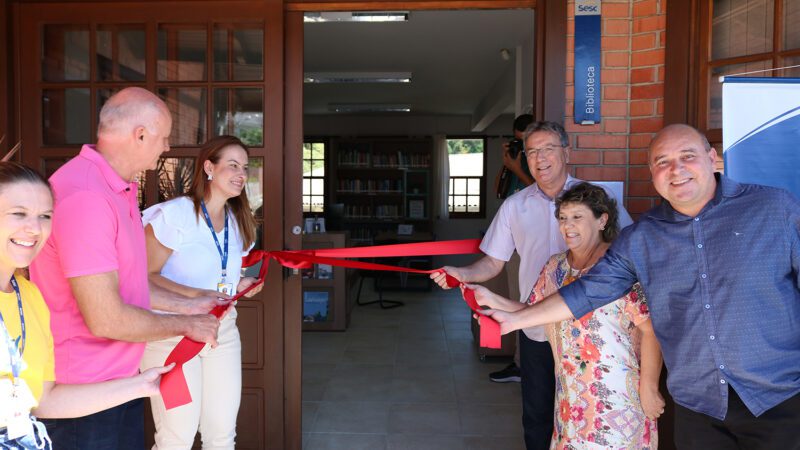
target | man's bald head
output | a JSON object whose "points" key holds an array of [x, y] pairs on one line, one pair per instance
{"points": [[134, 131], [128, 109], [677, 130]]}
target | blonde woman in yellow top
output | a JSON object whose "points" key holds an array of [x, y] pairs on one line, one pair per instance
{"points": [[27, 369]]}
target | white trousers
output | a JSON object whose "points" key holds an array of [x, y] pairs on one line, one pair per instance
{"points": [[215, 381]]}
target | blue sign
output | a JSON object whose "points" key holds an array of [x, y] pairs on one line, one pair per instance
{"points": [[761, 129], [587, 62]]}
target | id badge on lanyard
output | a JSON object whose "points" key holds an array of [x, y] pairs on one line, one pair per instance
{"points": [[16, 398], [15, 407], [223, 286]]}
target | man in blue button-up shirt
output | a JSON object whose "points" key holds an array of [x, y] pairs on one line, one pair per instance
{"points": [[720, 264]]}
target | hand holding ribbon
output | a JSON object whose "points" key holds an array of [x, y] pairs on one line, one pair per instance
{"points": [[489, 328], [174, 389]]}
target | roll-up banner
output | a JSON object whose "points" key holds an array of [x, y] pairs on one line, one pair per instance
{"points": [[587, 62], [761, 131]]}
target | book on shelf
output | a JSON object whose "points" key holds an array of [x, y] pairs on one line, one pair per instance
{"points": [[324, 272], [416, 209], [405, 229], [315, 306], [318, 272]]}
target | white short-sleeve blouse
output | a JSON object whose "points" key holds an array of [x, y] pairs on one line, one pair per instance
{"points": [[195, 260]]}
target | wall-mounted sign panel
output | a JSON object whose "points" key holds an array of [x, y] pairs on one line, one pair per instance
{"points": [[587, 61]]}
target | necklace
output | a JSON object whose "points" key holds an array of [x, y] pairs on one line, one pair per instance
{"points": [[589, 261]]}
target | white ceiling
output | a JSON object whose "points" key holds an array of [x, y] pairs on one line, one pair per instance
{"points": [[454, 57]]}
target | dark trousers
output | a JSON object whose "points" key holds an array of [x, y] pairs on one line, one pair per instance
{"points": [[118, 428], [538, 392], [777, 428]]}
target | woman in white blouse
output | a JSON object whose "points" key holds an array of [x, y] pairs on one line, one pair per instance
{"points": [[195, 243]]}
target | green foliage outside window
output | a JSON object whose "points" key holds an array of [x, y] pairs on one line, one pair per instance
{"points": [[463, 146]]}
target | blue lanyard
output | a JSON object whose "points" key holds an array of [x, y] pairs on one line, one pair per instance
{"points": [[15, 348], [222, 254]]}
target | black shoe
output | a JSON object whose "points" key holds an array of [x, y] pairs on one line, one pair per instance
{"points": [[508, 375]]}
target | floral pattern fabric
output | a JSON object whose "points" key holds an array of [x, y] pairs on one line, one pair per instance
{"points": [[597, 369]]}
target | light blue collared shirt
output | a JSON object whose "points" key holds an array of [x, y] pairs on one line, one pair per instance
{"points": [[723, 290]]}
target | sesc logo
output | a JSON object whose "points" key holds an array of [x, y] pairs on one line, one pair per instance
{"points": [[587, 7]]}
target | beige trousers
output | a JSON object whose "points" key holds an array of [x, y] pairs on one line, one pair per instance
{"points": [[215, 382]]}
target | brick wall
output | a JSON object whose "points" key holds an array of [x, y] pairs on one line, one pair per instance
{"points": [[632, 107]]}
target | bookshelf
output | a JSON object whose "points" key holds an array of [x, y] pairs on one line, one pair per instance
{"points": [[325, 288], [382, 182]]}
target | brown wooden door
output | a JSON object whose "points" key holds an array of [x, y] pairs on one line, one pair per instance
{"points": [[219, 66]]}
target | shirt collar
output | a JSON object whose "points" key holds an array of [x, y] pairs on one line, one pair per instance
{"points": [[726, 188], [533, 190], [115, 182]]}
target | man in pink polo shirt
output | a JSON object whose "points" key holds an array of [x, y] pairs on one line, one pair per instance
{"points": [[93, 270]]}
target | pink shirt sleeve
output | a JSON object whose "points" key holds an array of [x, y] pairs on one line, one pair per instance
{"points": [[85, 234]]}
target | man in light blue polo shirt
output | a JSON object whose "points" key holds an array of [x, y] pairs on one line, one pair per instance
{"points": [[526, 223]]}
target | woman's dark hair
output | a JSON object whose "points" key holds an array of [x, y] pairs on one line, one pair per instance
{"points": [[13, 172], [240, 206], [596, 199]]}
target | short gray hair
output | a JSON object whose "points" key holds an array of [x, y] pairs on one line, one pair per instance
{"points": [[546, 125], [119, 112]]}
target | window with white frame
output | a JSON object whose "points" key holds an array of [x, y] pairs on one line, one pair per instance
{"points": [[467, 193], [314, 177]]}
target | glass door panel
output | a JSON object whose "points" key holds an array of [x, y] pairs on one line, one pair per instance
{"points": [[65, 116], [240, 112], [65, 53], [120, 53], [182, 52], [238, 52], [188, 107]]}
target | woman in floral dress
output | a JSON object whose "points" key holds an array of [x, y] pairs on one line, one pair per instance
{"points": [[607, 362]]}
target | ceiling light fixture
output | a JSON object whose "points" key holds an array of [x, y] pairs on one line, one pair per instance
{"points": [[356, 77], [365, 16], [369, 107]]}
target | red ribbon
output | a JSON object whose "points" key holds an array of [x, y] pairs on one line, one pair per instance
{"points": [[175, 390]]}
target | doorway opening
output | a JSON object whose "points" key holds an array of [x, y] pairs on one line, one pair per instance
{"points": [[404, 117]]}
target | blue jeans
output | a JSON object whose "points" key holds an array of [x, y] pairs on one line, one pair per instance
{"points": [[37, 441], [118, 428]]}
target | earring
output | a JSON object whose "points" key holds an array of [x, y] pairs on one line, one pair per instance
{"points": [[210, 177]]}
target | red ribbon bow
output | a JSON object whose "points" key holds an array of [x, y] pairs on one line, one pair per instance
{"points": [[175, 390]]}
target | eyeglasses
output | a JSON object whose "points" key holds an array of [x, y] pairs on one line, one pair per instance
{"points": [[544, 151]]}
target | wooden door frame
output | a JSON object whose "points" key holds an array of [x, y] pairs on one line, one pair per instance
{"points": [[6, 108], [293, 217], [269, 372], [549, 98]]}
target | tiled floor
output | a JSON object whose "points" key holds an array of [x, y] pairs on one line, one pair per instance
{"points": [[406, 378]]}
